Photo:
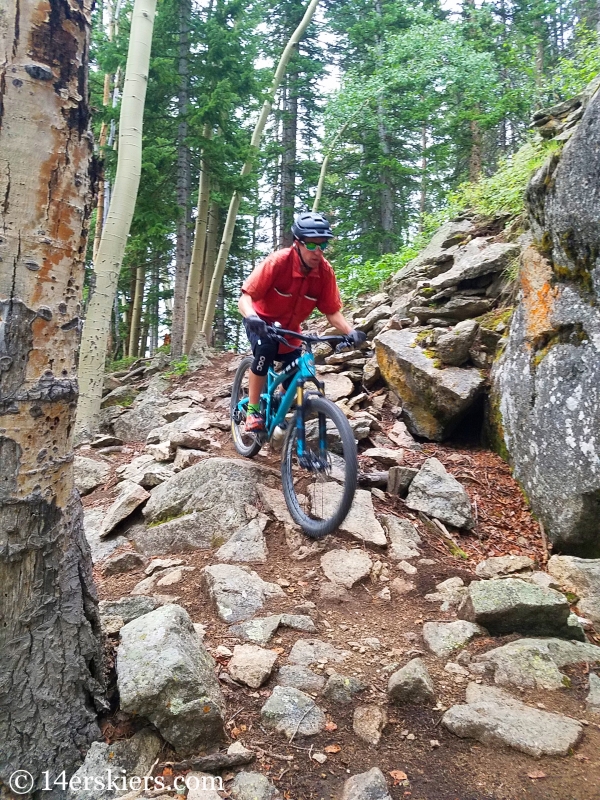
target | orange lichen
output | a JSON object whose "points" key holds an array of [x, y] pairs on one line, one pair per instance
{"points": [[539, 296]]}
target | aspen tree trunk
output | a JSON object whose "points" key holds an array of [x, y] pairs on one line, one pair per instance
{"points": [[475, 156], [196, 277], [423, 190], [183, 250], [118, 221], [51, 668], [288, 159], [247, 168], [330, 149], [136, 313], [210, 258]]}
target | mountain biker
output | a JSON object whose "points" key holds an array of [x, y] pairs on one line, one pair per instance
{"points": [[285, 288]]}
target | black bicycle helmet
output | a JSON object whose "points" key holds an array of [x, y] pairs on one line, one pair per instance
{"points": [[309, 225]]}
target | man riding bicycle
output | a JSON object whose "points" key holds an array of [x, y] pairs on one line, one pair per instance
{"points": [[286, 288]]}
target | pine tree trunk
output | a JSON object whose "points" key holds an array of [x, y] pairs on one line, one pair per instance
{"points": [[118, 222], [288, 159], [475, 156], [136, 312], [423, 191], [210, 258], [183, 250], [247, 168], [51, 669]]}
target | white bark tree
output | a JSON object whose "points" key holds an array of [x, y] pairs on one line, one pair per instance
{"points": [[51, 669], [118, 222]]}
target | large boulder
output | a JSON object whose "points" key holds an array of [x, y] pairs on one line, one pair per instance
{"points": [[166, 675], [477, 258], [434, 400], [219, 488], [547, 383], [135, 425], [89, 473], [580, 576], [237, 592]]}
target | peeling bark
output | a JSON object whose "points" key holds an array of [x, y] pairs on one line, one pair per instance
{"points": [[51, 671]]}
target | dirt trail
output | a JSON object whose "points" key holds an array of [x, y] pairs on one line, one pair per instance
{"points": [[438, 765]]}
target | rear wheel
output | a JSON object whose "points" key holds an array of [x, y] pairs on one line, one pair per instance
{"points": [[245, 443], [319, 489]]}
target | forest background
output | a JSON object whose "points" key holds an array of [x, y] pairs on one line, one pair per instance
{"points": [[429, 116]]}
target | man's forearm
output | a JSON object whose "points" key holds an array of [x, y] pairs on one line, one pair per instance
{"points": [[245, 306], [339, 322]]}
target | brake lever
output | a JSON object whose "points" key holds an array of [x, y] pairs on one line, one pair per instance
{"points": [[345, 345]]}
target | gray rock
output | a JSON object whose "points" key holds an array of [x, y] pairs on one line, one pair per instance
{"points": [[92, 525], [163, 578], [368, 723], [135, 425], [439, 253], [237, 592], [184, 534], [130, 757], [248, 545], [302, 678], [514, 606], [252, 786], [334, 592], [121, 396], [201, 786], [435, 492], [146, 471], [128, 608], [404, 537], [346, 567], [311, 651], [274, 503], [369, 785], [191, 423], [298, 622], [124, 562], [89, 473], [361, 522], [251, 665], [385, 456], [504, 565], [342, 688], [400, 586], [433, 400], [162, 563], [130, 497], [457, 308], [371, 372], [478, 258], [535, 663], [166, 675], [399, 480], [219, 488], [593, 699], [449, 593], [187, 458], [453, 348], [367, 322], [337, 386], [291, 712], [443, 638], [494, 717], [582, 577], [258, 630], [411, 684]]}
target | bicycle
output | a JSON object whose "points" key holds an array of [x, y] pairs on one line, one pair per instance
{"points": [[319, 464]]}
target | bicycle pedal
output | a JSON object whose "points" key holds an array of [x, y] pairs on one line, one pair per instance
{"points": [[261, 437]]}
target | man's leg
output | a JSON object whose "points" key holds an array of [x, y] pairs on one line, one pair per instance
{"points": [[256, 384]]}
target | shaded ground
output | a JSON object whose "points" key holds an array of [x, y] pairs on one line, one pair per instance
{"points": [[438, 765]]}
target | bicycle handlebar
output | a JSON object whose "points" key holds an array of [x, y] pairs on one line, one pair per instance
{"points": [[278, 333]]}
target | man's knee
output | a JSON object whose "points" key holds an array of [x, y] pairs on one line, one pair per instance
{"points": [[260, 365]]}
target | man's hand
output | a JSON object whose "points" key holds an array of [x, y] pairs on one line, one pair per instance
{"points": [[357, 337], [256, 325]]}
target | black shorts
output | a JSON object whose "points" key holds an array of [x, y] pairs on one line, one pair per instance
{"points": [[267, 352]]}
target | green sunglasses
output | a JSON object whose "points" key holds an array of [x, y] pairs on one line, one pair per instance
{"points": [[313, 245]]}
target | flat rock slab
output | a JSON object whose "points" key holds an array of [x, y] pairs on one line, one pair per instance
{"points": [[433, 400], [146, 471], [361, 522], [515, 606], [252, 786], [312, 651], [165, 674], [342, 688], [337, 386], [385, 456], [535, 663], [238, 592], [130, 496], [404, 537], [248, 545], [443, 638], [185, 534], [258, 630], [436, 493], [592, 701], [411, 684], [135, 424], [497, 566], [369, 785], [368, 723], [123, 562], [251, 665], [346, 567], [274, 502], [582, 577], [477, 258], [194, 421], [493, 717], [291, 712], [92, 525], [128, 608], [302, 678], [89, 473]]}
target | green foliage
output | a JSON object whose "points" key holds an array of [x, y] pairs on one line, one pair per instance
{"points": [[502, 194], [179, 368], [573, 73], [120, 364]]}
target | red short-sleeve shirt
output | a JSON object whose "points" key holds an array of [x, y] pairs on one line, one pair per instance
{"points": [[281, 292]]}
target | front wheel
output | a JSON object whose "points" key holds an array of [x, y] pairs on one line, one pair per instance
{"points": [[319, 487], [245, 443]]}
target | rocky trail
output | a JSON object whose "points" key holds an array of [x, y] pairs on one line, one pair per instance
{"points": [[424, 651]]}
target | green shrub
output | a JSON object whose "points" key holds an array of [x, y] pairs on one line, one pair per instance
{"points": [[121, 364], [179, 368]]}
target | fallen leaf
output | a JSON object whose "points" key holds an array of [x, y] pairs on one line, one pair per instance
{"points": [[278, 650], [235, 732], [398, 776], [330, 726], [243, 728], [167, 771], [332, 748], [536, 774]]}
